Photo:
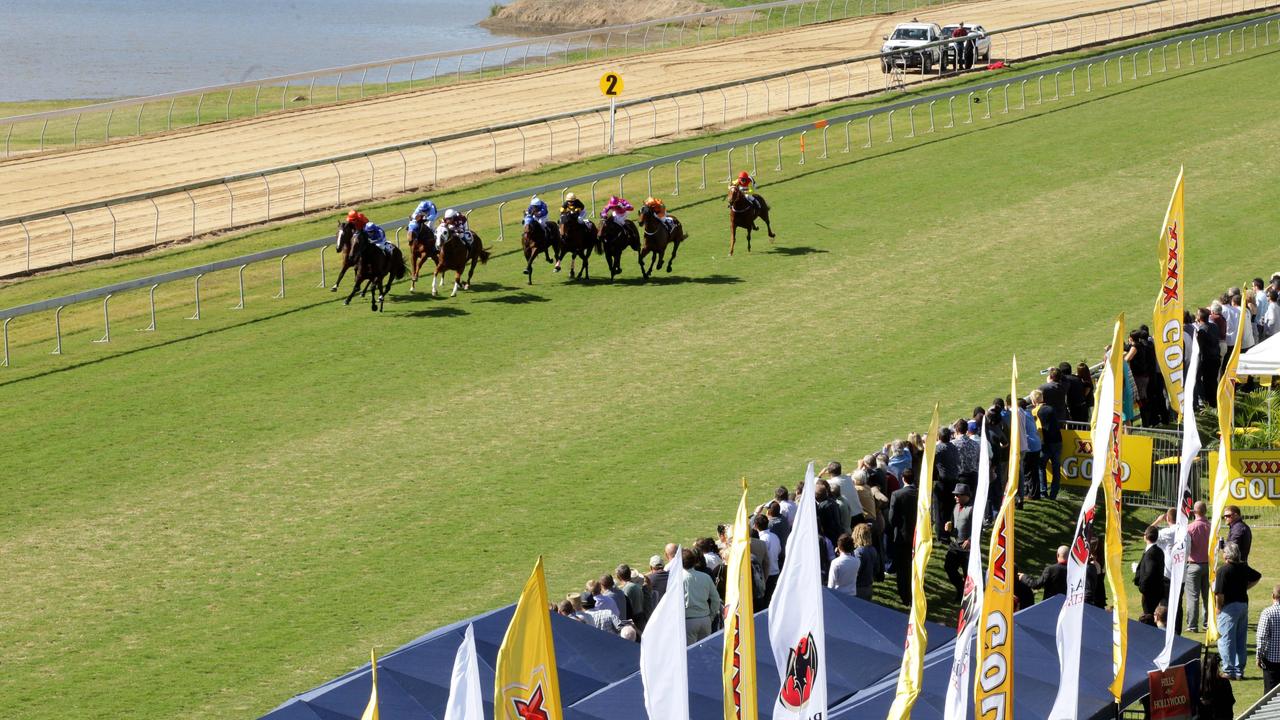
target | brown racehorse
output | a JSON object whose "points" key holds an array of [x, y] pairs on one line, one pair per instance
{"points": [[346, 234], [540, 238], [743, 213], [617, 238], [454, 255], [656, 238], [422, 247], [372, 267], [578, 239]]}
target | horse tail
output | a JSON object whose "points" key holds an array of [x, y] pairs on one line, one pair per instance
{"points": [[600, 240], [398, 268], [483, 255]]}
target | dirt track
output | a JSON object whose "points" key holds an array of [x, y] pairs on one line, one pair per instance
{"points": [[39, 182]]}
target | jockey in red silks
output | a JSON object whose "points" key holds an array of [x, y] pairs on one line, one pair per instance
{"points": [[748, 186], [616, 210]]}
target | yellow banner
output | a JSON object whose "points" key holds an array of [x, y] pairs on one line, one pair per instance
{"points": [[526, 683], [739, 666], [1112, 484], [993, 687], [1253, 477], [1135, 460], [912, 670], [1166, 319], [1222, 469]]}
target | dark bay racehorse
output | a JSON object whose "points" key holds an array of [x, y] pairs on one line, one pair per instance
{"points": [[422, 247], [346, 236], [743, 213], [454, 255], [377, 268], [578, 239], [539, 238], [657, 236], [615, 238]]}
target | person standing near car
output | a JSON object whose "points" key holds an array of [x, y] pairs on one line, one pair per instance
{"points": [[964, 50]]}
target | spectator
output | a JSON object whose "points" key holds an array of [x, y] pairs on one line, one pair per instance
{"points": [[1023, 595], [1141, 371], [900, 460], [1054, 393], [1053, 580], [1216, 317], [1269, 319], [784, 502], [957, 561], [1238, 306], [759, 564], [658, 576], [1032, 465], [1074, 387], [967, 447], [602, 599], [843, 575], [874, 504], [1095, 587], [1206, 336], [778, 525], [902, 524], [701, 601], [1050, 446], [601, 619], [773, 551], [1268, 641], [633, 590], [1086, 380], [1197, 582], [1217, 700], [828, 512], [1150, 577], [871, 567], [1238, 532], [1231, 589], [1259, 290], [998, 439], [619, 598], [574, 601], [946, 473]]}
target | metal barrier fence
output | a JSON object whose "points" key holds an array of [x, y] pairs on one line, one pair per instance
{"points": [[91, 124], [979, 102], [70, 234]]}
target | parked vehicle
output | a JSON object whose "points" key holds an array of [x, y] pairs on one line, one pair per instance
{"points": [[907, 45]]}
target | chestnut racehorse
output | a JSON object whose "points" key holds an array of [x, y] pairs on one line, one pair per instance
{"points": [[656, 238], [455, 253], [540, 238], [743, 213], [422, 247]]}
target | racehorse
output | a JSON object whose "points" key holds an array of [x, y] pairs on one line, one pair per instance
{"points": [[372, 265], [422, 246], [743, 213], [454, 255], [578, 239], [346, 235], [615, 238], [540, 238], [656, 238]]}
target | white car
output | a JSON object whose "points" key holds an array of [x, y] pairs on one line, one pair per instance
{"points": [[979, 44], [906, 45]]}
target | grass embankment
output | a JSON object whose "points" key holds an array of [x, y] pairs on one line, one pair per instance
{"points": [[203, 521]]}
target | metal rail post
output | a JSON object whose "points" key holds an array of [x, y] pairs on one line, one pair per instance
{"points": [[73, 235], [648, 179], [57, 330], [868, 132], [27, 232], [106, 321], [890, 126], [151, 296], [5, 332], [848, 141], [676, 191], [502, 231], [190, 199], [280, 294], [703, 184], [197, 315], [323, 280], [240, 276], [778, 167]]}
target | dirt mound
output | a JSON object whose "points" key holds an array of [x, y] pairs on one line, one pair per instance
{"points": [[542, 16]]}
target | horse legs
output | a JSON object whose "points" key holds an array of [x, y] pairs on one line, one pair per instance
{"points": [[341, 274], [765, 217], [386, 290], [748, 239], [376, 285], [675, 248], [417, 267], [435, 279], [354, 289], [642, 253], [472, 273], [733, 234]]}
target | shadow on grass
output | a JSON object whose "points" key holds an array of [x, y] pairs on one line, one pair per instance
{"points": [[518, 298], [440, 311], [656, 279], [795, 251]]}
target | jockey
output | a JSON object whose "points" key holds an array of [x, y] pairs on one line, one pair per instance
{"points": [[425, 213], [456, 223], [660, 210], [616, 210], [357, 218], [538, 211], [574, 206], [375, 235], [748, 185]]}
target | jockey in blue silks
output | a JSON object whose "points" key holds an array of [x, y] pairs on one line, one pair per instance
{"points": [[538, 211], [375, 234], [423, 217]]}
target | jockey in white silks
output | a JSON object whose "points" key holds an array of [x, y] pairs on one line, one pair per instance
{"points": [[456, 223]]}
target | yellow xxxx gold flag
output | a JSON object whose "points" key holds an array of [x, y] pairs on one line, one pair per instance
{"points": [[1114, 504], [1227, 430], [739, 623], [526, 683], [1166, 319]]}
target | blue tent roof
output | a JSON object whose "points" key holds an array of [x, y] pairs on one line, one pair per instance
{"points": [[1036, 668], [413, 680], [864, 643]]}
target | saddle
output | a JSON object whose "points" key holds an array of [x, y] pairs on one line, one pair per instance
{"points": [[386, 247]]}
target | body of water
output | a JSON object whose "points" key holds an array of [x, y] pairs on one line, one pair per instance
{"points": [[56, 49]]}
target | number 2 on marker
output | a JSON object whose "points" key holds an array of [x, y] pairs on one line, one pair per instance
{"points": [[611, 84]]}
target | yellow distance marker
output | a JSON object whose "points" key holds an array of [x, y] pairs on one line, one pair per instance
{"points": [[611, 84]]}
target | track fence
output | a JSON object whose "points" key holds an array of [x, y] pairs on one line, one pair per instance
{"points": [[72, 234], [693, 176]]}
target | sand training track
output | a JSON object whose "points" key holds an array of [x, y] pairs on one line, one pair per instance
{"points": [[36, 183]]}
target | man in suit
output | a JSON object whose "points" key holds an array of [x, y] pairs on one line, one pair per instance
{"points": [[1149, 578], [1054, 578], [902, 532]]}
